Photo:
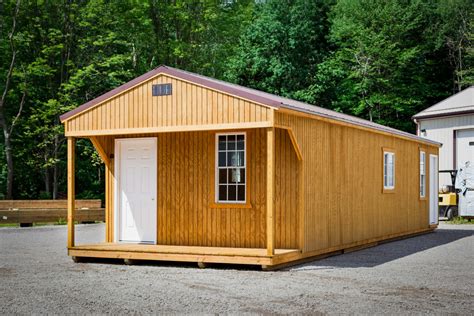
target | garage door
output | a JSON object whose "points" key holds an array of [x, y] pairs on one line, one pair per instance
{"points": [[464, 147]]}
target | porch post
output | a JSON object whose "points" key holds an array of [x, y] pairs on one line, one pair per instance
{"points": [[270, 191], [71, 153]]}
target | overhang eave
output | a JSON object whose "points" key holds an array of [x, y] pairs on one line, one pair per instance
{"points": [[169, 129]]}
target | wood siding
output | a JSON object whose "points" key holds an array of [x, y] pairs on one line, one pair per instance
{"points": [[185, 172], [190, 105], [286, 192], [343, 183], [185, 192]]}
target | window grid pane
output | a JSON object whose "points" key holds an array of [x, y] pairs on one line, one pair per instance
{"points": [[422, 174], [231, 175], [389, 170]]}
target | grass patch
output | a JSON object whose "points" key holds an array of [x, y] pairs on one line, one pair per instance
{"points": [[459, 221], [9, 225], [61, 221]]}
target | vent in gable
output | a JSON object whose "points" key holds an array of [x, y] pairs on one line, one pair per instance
{"points": [[162, 89]]}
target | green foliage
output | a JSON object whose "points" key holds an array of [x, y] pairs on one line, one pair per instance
{"points": [[381, 60], [385, 52], [61, 221], [466, 72], [282, 47]]}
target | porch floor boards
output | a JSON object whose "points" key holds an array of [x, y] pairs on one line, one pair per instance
{"points": [[195, 250], [257, 256]]}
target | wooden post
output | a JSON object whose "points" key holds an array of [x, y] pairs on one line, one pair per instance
{"points": [[101, 148], [270, 191], [301, 209], [109, 201], [108, 233], [71, 153]]}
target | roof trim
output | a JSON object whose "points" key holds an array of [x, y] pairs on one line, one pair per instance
{"points": [[419, 117]]}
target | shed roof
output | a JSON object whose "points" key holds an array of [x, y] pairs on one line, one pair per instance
{"points": [[457, 104], [256, 96]]}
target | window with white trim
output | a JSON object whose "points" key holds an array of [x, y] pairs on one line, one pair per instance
{"points": [[388, 170], [422, 174], [231, 168]]}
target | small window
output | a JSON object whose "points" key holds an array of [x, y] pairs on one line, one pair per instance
{"points": [[162, 89], [230, 168], [422, 174], [388, 170]]}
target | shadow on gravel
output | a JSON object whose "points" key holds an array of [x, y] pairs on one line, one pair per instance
{"points": [[388, 251], [169, 264]]}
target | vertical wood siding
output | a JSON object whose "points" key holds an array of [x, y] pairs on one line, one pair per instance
{"points": [[185, 216], [189, 104], [286, 192], [343, 199]]}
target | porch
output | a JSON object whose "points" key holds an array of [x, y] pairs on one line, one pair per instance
{"points": [[190, 227]]}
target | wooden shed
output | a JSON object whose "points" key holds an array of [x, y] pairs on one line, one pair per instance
{"points": [[206, 171]]}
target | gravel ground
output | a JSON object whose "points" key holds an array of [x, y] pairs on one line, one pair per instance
{"points": [[431, 273]]}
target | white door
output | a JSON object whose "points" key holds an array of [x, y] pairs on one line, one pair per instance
{"points": [[433, 189], [464, 147], [136, 189]]}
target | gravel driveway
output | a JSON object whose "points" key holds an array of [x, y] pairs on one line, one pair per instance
{"points": [[432, 273]]}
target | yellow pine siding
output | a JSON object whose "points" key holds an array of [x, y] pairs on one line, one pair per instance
{"points": [[286, 192], [185, 192], [190, 107], [343, 182]]}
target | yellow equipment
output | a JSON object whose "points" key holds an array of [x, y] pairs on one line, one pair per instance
{"points": [[448, 197]]}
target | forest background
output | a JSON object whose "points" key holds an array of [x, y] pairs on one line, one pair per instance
{"points": [[382, 60]]}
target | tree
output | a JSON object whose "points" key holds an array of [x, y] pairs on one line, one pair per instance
{"points": [[7, 122], [457, 18], [387, 63], [280, 50], [466, 73], [198, 35], [380, 60]]}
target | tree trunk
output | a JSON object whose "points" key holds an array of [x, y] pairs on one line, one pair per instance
{"points": [[8, 156], [47, 181], [7, 131], [55, 167]]}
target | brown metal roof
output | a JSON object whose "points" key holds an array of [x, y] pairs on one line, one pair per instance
{"points": [[245, 93]]}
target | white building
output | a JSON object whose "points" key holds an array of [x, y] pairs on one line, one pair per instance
{"points": [[450, 122]]}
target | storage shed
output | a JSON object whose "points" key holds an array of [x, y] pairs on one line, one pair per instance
{"points": [[206, 171], [450, 122]]}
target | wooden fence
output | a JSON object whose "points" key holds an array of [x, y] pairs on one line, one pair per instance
{"points": [[26, 212]]}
